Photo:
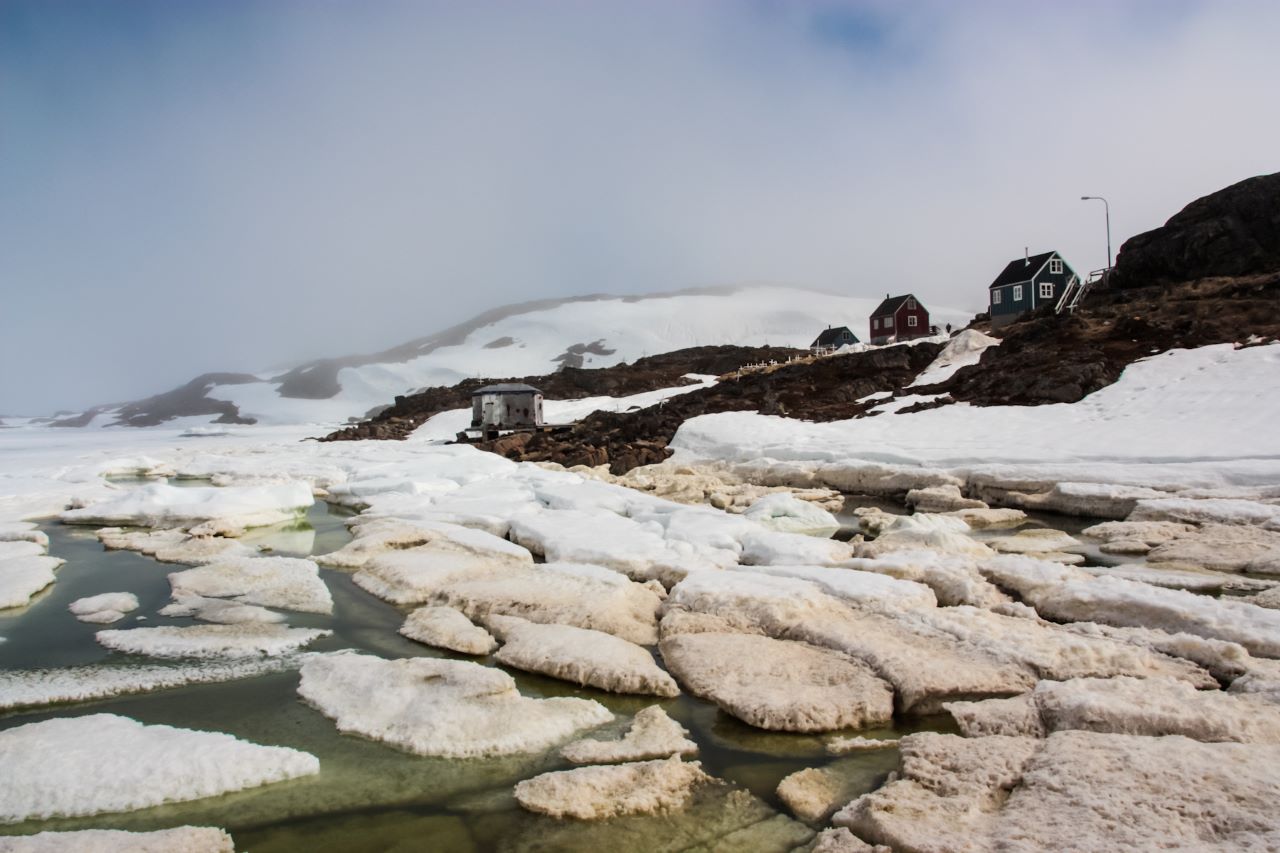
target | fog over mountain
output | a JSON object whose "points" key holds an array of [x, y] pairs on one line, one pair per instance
{"points": [[232, 186]]}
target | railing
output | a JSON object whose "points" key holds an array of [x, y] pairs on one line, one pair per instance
{"points": [[1067, 293], [1075, 291]]}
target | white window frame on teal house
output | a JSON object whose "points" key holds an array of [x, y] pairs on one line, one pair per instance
{"points": [[995, 296], [1017, 293], [1046, 290], [1055, 266]]}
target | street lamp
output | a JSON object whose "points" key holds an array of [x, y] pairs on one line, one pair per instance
{"points": [[1107, 208]]}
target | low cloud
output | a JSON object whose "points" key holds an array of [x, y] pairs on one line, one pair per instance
{"points": [[192, 187]]}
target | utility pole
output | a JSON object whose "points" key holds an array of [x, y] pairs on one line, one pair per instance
{"points": [[1107, 209]]}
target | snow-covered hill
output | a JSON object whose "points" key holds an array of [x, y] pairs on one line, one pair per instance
{"points": [[522, 340]]}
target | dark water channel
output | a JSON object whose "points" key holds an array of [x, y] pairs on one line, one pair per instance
{"points": [[368, 796]]}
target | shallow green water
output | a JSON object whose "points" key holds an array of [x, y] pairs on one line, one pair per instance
{"points": [[369, 796]]}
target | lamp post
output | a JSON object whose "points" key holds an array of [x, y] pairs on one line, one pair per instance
{"points": [[1107, 208]]}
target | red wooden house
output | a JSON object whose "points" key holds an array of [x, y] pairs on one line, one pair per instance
{"points": [[899, 318]]}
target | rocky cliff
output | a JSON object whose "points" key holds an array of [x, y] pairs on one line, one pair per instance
{"points": [[1232, 232]]}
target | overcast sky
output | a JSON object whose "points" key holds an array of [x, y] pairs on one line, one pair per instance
{"points": [[228, 185]]}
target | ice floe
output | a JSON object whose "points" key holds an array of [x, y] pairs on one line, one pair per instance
{"points": [[1071, 595], [1073, 791], [582, 656], [791, 515], [1123, 705], [174, 545], [943, 533], [416, 574], [69, 767], [941, 499], [22, 577], [205, 509], [597, 793], [603, 538], [779, 685], [247, 640], [652, 735], [816, 793], [285, 582], [32, 688], [447, 628], [864, 590], [23, 531], [181, 839], [582, 595], [1053, 652], [450, 709], [925, 667], [104, 608], [219, 610], [954, 579]]}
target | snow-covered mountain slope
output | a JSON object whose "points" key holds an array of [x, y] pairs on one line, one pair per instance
{"points": [[522, 340]]}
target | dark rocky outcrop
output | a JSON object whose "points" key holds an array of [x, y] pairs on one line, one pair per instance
{"points": [[1210, 275], [822, 390], [187, 400], [183, 401], [1232, 232], [570, 383], [1051, 358]]}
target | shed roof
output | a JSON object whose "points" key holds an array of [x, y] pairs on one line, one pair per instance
{"points": [[891, 304], [506, 388], [1019, 270], [830, 336]]}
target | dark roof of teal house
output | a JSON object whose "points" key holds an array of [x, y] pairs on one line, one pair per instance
{"points": [[1022, 269], [506, 388], [831, 336], [891, 304]]}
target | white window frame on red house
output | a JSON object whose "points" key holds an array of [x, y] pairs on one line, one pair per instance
{"points": [[911, 321], [888, 322]]}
